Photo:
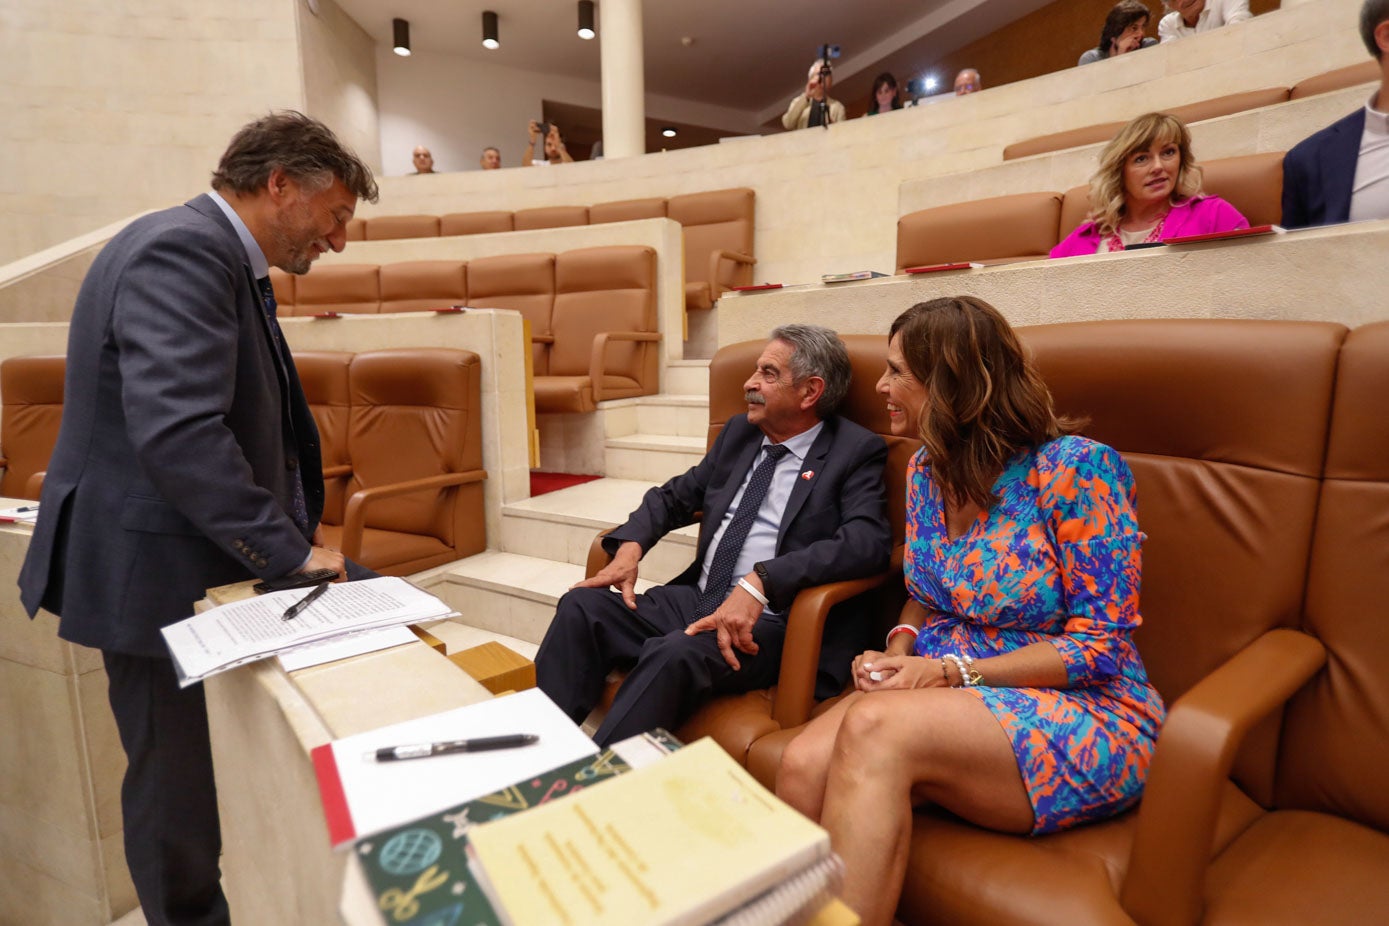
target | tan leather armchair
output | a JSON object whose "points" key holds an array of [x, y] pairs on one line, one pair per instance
{"points": [[31, 389], [718, 232], [414, 496]]}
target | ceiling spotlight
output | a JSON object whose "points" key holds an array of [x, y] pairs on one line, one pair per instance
{"points": [[586, 30], [930, 82], [400, 30], [489, 30], [668, 131]]}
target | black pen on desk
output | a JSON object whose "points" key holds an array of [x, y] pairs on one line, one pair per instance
{"points": [[28, 508], [477, 744], [298, 607]]}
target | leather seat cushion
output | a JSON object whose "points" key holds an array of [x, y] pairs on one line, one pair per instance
{"points": [[958, 873], [575, 393], [697, 296], [1300, 867]]}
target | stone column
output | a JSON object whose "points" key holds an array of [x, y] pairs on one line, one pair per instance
{"points": [[624, 84]]}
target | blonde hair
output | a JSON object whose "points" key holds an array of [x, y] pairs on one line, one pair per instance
{"points": [[1107, 195]]}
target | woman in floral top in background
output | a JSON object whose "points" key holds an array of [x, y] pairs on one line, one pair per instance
{"points": [[1011, 693]]}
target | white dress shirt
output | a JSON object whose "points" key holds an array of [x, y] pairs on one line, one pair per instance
{"points": [[1369, 194], [1217, 13]]}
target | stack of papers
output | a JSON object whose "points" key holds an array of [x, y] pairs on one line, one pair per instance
{"points": [[245, 631]]}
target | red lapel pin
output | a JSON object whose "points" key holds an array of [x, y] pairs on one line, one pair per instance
{"points": [[807, 474]]}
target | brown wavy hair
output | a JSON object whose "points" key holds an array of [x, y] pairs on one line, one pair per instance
{"points": [[985, 400], [1108, 198]]}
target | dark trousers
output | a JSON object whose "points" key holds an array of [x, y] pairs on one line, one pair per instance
{"points": [[168, 799], [670, 674]]}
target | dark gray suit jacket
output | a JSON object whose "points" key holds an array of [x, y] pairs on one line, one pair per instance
{"points": [[182, 430], [1318, 174], [834, 528]]}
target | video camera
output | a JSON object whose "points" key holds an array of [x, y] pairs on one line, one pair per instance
{"points": [[827, 53]]}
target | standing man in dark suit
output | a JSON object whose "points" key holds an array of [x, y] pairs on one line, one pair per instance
{"points": [[1341, 174], [187, 458], [792, 496]]}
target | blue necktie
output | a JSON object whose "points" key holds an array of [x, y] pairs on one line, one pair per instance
{"points": [[731, 543], [299, 508]]}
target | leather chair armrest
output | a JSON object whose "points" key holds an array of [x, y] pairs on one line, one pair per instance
{"points": [[718, 285], [33, 486], [800, 654], [354, 520], [596, 366], [1195, 750], [333, 472], [4, 462], [542, 339], [597, 556]]}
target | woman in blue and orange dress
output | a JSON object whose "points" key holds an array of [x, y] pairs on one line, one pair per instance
{"points": [[1011, 693]]}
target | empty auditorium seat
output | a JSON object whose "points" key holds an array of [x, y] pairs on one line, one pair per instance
{"points": [[627, 210], [387, 227], [604, 324], [324, 377], [995, 230], [414, 499], [718, 231], [346, 288], [524, 283], [1228, 104], [31, 390], [474, 223], [356, 229], [550, 217], [1352, 76], [420, 285], [1060, 141]]}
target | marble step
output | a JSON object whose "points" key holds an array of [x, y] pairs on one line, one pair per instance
{"points": [[507, 593], [687, 377], [651, 457], [561, 526], [676, 415]]}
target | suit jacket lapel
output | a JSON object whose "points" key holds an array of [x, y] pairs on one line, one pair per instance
{"points": [[813, 464], [1338, 169]]}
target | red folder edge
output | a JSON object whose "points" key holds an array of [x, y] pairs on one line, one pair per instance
{"points": [[936, 268], [324, 315], [758, 287], [1252, 231], [335, 810]]}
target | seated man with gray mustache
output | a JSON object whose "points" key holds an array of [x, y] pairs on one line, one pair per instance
{"points": [[792, 496]]}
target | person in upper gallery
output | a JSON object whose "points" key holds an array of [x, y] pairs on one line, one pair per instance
{"points": [[814, 106], [885, 95], [1190, 17], [1147, 189], [554, 150], [491, 158], [423, 160], [968, 81], [1341, 174], [1123, 32], [1011, 693], [792, 496]]}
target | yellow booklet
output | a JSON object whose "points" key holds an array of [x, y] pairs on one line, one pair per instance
{"points": [[682, 841]]}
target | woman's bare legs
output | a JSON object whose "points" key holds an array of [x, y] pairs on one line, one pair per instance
{"points": [[894, 749], [805, 762]]}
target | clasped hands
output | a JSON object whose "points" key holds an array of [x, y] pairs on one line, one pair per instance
{"points": [[732, 622], [897, 671]]}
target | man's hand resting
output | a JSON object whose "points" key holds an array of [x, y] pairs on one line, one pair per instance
{"points": [[324, 558], [621, 572], [733, 622]]}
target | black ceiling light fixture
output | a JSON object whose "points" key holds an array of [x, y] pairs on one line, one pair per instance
{"points": [[400, 30], [490, 39], [586, 30]]}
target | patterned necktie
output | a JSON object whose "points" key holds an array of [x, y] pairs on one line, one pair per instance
{"points": [[299, 507], [731, 543]]}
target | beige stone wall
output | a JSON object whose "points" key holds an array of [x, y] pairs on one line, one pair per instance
{"points": [[1335, 274], [110, 109], [827, 200], [338, 62]]}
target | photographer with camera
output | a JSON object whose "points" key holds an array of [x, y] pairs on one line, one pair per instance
{"points": [[814, 107], [555, 152]]}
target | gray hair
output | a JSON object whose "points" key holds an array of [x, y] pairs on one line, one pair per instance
{"points": [[818, 351], [304, 148], [1372, 14]]}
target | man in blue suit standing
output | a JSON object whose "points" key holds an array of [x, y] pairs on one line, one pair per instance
{"points": [[1341, 174], [187, 458]]}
